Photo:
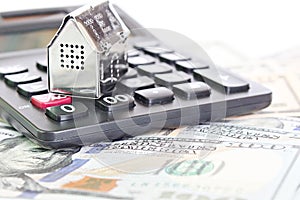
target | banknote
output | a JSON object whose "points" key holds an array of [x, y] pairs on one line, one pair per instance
{"points": [[236, 132], [4, 124], [281, 81], [278, 72], [173, 164], [286, 123], [169, 168]]}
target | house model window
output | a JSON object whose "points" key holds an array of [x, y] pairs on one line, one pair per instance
{"points": [[84, 54]]}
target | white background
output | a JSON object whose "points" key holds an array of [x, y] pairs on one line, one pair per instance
{"points": [[254, 27]]}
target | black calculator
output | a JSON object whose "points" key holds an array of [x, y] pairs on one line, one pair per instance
{"points": [[165, 84]]}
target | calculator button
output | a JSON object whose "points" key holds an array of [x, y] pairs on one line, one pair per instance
{"points": [[12, 70], [159, 95], [192, 90], [131, 73], [140, 60], [142, 45], [31, 89], [189, 66], [171, 58], [151, 70], [48, 100], [116, 102], [120, 70], [230, 83], [15, 79], [170, 79], [67, 111], [155, 51], [139, 83], [42, 65], [133, 53]]}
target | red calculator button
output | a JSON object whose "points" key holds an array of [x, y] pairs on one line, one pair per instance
{"points": [[49, 100]]}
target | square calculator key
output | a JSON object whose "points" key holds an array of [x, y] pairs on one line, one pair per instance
{"points": [[21, 78], [192, 90], [66, 112], [15, 69], [31, 89], [152, 96]]}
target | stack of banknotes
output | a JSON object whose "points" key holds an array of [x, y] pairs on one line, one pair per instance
{"points": [[256, 158], [240, 158]]}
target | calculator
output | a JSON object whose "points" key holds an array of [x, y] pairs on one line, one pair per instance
{"points": [[167, 82]]}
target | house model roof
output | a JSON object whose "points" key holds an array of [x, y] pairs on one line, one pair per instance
{"points": [[100, 24]]}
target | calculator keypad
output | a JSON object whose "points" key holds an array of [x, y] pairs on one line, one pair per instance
{"points": [[156, 75], [157, 81]]}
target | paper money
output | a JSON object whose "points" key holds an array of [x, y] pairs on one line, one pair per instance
{"points": [[22, 160], [286, 123], [278, 72], [285, 100], [3, 124], [243, 132], [166, 168], [233, 132], [176, 164]]}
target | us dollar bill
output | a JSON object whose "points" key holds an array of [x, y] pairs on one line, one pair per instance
{"points": [[286, 123], [177, 164], [278, 72], [237, 132]]}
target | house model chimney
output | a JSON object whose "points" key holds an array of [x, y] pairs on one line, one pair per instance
{"points": [[84, 55]]}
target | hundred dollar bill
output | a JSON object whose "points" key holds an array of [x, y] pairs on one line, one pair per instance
{"points": [[4, 124], [285, 123], [170, 168], [282, 81], [150, 167], [279, 72], [176, 164], [235, 132], [22, 163]]}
